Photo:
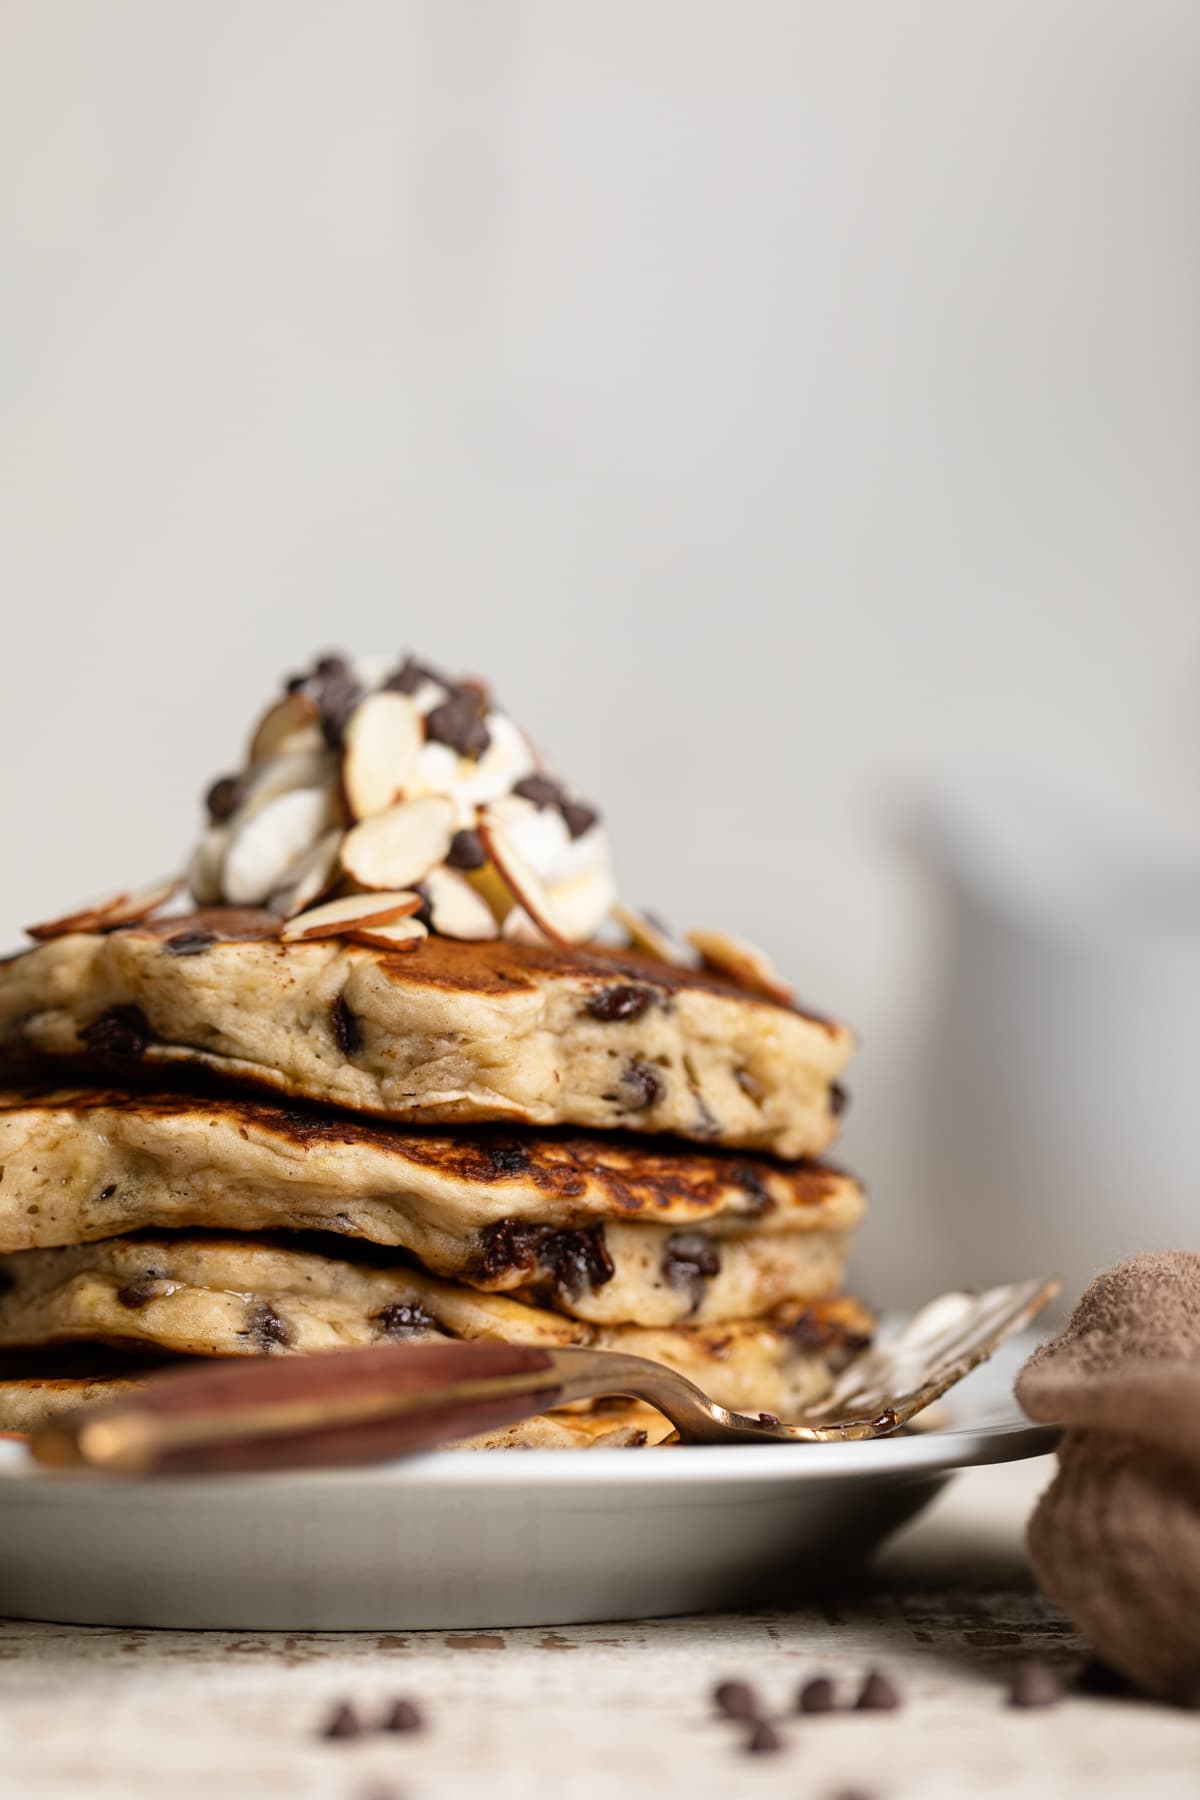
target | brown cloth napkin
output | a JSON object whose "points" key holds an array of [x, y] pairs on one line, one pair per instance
{"points": [[1115, 1540]]}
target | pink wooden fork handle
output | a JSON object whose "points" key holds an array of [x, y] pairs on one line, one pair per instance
{"points": [[347, 1406]]}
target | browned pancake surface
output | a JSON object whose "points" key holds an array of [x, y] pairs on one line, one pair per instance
{"points": [[447, 1033]]}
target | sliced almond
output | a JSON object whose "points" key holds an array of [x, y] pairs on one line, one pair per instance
{"points": [[397, 848], [455, 909], [580, 908], [524, 883], [294, 713], [519, 928], [310, 878], [128, 908], [405, 934], [337, 918], [263, 850], [582, 904], [743, 963], [644, 934], [382, 748]]}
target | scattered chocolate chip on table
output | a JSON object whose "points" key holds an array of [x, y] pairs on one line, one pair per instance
{"points": [[817, 1696], [713, 1708]]}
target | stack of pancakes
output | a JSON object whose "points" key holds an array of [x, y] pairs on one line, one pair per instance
{"points": [[231, 1133]]}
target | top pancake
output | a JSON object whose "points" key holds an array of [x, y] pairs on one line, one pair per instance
{"points": [[448, 1032]]}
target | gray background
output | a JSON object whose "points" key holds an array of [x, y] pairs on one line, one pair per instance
{"points": [[790, 406]]}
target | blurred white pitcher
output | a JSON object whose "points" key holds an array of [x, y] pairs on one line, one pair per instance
{"points": [[1064, 1121]]}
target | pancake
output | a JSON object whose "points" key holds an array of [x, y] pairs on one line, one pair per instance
{"points": [[223, 1296], [604, 1228], [665, 1277], [447, 1032], [38, 1386], [620, 1425], [43, 1384]]}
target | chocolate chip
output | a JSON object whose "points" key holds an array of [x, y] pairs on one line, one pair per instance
{"points": [[1189, 1696], [347, 1027], [817, 1696], [753, 1185], [839, 1099], [120, 1035], [265, 1326], [142, 1289], [573, 1260], [106, 1193], [1100, 1678], [338, 701], [506, 1157], [190, 943], [508, 1244], [763, 1739], [459, 722], [576, 1259], [736, 1699], [405, 1715], [578, 818], [1033, 1684], [768, 1418], [542, 790], [812, 1329], [706, 1125], [613, 1004], [223, 798], [641, 1085], [337, 693], [466, 850], [412, 675], [404, 1319], [877, 1694], [689, 1259], [343, 1722]]}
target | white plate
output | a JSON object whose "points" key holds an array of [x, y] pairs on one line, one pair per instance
{"points": [[472, 1539]]}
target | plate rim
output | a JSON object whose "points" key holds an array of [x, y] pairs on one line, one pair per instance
{"points": [[973, 1442]]}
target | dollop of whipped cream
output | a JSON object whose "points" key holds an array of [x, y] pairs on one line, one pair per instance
{"points": [[392, 781], [382, 801]]}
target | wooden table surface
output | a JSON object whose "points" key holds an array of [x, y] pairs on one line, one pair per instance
{"points": [[605, 1710]]}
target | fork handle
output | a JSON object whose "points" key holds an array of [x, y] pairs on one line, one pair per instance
{"points": [[329, 1410]]}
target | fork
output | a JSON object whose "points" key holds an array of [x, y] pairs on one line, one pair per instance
{"points": [[359, 1406]]}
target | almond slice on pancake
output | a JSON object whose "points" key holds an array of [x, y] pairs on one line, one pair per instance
{"points": [[381, 752], [356, 912], [742, 962], [398, 848], [108, 915]]}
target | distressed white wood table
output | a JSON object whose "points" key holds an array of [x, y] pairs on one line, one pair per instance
{"points": [[599, 1710]]}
